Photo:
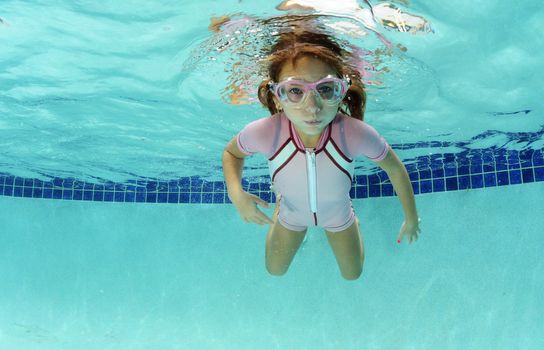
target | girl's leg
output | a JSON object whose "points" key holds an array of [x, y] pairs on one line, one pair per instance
{"points": [[281, 245], [348, 248]]}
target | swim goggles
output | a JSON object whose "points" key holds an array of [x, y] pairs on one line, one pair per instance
{"points": [[292, 91]]}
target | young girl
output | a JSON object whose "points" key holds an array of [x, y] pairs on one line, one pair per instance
{"points": [[317, 103]]}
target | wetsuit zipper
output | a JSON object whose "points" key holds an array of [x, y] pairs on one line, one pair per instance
{"points": [[312, 182]]}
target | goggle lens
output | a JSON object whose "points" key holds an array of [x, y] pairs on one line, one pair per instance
{"points": [[331, 90]]}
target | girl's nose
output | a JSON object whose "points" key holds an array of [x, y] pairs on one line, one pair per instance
{"points": [[313, 103]]}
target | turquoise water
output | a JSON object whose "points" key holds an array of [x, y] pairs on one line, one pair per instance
{"points": [[117, 92]]}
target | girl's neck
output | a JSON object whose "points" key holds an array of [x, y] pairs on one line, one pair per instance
{"points": [[309, 141]]}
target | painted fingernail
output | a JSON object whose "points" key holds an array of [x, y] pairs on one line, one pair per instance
{"points": [[398, 241]]}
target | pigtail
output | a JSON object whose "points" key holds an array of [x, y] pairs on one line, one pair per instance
{"points": [[354, 102], [266, 97]]}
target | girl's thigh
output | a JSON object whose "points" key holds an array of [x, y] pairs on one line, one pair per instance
{"points": [[348, 248], [281, 246]]}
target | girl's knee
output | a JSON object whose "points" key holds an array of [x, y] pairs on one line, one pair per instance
{"points": [[277, 270], [352, 274]]}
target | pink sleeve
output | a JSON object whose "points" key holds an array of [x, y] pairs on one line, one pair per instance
{"points": [[364, 139], [258, 136]]}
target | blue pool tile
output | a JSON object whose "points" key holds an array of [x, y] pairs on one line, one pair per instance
{"points": [[10, 181], [88, 186], [490, 180], [264, 186], [219, 186], [87, 195], [426, 186], [38, 183], [130, 196], [439, 185], [47, 193], [525, 158], [415, 187], [162, 186], [500, 166], [373, 179], [68, 183], [527, 175], [184, 184], [411, 167], [463, 170], [37, 192], [67, 194], [196, 183], [28, 182], [383, 176], [265, 196], [515, 177], [27, 192], [19, 181], [387, 190], [173, 197], [141, 197], [361, 179], [162, 197], [17, 191], [98, 196], [539, 173], [119, 197], [488, 157], [476, 168], [108, 196], [476, 181], [437, 173], [99, 188], [57, 182], [451, 184], [119, 187], [196, 198], [173, 186], [538, 158], [151, 197], [78, 195], [253, 187], [489, 168], [425, 174], [184, 197], [220, 198], [57, 193], [207, 198], [352, 192], [361, 192], [151, 186], [414, 176], [464, 182], [503, 178], [207, 186], [374, 191]]}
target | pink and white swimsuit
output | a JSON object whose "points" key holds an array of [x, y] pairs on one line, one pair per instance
{"points": [[314, 183]]}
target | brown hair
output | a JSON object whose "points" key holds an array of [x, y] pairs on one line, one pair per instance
{"points": [[293, 46]]}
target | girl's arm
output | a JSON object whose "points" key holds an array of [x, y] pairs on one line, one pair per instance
{"points": [[398, 175], [245, 203]]}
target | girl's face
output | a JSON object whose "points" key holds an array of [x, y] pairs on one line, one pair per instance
{"points": [[311, 116]]}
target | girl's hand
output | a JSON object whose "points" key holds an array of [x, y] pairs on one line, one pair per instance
{"points": [[410, 229], [246, 204]]}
